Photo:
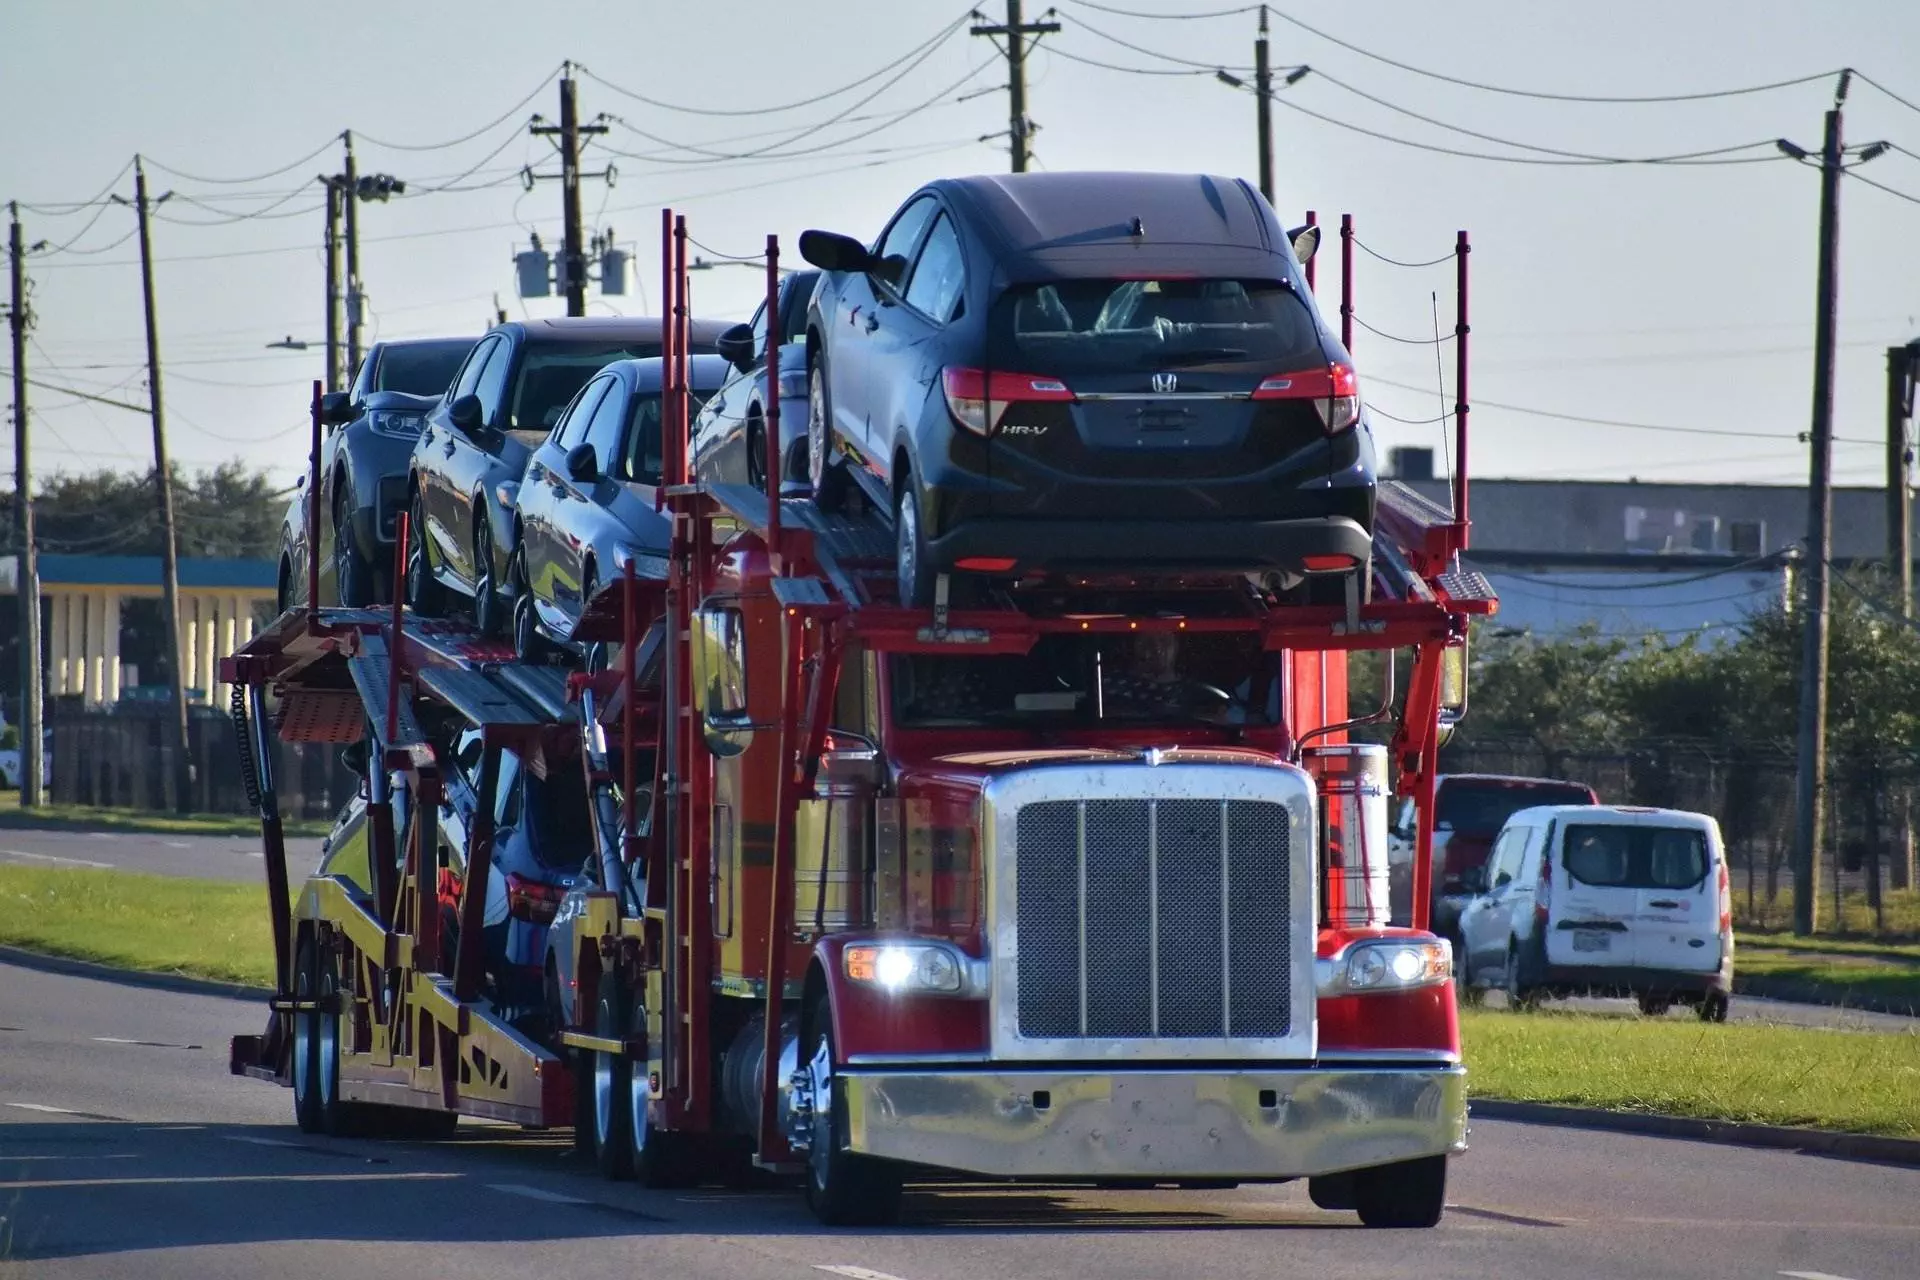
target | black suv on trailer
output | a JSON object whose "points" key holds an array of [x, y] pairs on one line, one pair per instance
{"points": [[1090, 372]]}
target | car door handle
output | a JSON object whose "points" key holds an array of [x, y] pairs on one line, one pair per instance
{"points": [[426, 436], [873, 322], [1665, 903], [447, 448], [536, 471]]}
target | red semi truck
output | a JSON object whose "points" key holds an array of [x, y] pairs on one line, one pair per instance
{"points": [[1085, 884]]}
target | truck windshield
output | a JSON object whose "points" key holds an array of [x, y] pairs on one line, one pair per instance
{"points": [[1163, 678], [1118, 326]]}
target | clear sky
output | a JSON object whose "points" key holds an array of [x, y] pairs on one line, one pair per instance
{"points": [[1676, 296]]}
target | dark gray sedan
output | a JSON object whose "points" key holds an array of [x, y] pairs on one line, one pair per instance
{"points": [[585, 506], [729, 436], [370, 433]]}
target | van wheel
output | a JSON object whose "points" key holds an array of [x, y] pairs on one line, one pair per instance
{"points": [[1713, 1006], [1412, 1193], [1520, 998], [1654, 1006]]}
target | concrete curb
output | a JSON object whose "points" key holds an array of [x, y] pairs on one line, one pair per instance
{"points": [[1848, 1146], [130, 977], [1817, 993]]}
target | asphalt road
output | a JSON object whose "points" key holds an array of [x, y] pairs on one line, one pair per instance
{"points": [[126, 1150], [200, 857]]}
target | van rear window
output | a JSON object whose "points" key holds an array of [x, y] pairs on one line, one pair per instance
{"points": [[1619, 857]]}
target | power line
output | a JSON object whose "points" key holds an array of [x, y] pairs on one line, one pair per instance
{"points": [[1714, 155], [1910, 199], [1742, 566], [61, 209], [1605, 422], [1114, 66], [1908, 104], [251, 178], [1176, 17], [1554, 97], [933, 40], [1208, 67], [488, 127]]}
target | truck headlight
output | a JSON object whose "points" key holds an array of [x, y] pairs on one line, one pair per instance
{"points": [[1386, 964], [927, 968]]}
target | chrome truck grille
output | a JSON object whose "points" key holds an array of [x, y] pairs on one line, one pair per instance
{"points": [[1153, 911]]}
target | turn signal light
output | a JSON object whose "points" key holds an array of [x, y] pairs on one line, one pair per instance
{"points": [[531, 900], [1334, 390], [978, 398], [1326, 564], [985, 564]]}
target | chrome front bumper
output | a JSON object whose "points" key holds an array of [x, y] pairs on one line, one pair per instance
{"points": [[1165, 1124]]}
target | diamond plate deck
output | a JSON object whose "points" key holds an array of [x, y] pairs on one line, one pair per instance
{"points": [[480, 696], [1467, 584]]}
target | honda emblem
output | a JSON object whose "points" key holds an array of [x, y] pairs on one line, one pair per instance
{"points": [[1164, 383]]}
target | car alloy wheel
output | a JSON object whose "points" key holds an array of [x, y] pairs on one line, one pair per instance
{"points": [[528, 644], [486, 595], [352, 574], [828, 480], [423, 589], [910, 549]]}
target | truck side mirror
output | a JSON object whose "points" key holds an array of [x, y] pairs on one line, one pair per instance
{"points": [[851, 760], [720, 673]]}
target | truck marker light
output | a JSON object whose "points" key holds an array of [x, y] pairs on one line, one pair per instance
{"points": [[985, 564]]}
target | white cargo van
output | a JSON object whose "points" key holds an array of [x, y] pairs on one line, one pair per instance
{"points": [[1604, 900]]}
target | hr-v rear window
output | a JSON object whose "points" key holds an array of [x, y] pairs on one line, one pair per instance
{"points": [[1614, 857], [1481, 809], [1116, 326]]}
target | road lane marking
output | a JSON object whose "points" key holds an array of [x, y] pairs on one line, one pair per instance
{"points": [[535, 1193], [145, 1044], [41, 1106], [853, 1273], [56, 860], [176, 844], [261, 1142], [1812, 1275], [47, 1183]]}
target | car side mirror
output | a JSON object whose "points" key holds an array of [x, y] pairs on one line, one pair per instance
{"points": [[1305, 241], [354, 757], [582, 465], [735, 346], [1474, 880], [336, 408], [831, 251], [465, 413]]}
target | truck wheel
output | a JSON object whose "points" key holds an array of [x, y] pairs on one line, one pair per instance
{"points": [[1713, 1006], [662, 1160], [1412, 1193], [842, 1189], [307, 1108], [611, 1087], [423, 589]]}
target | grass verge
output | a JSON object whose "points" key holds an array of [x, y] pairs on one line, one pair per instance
{"points": [[1853, 1082], [1833, 978], [82, 817], [160, 924]]}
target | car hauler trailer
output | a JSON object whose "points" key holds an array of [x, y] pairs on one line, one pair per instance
{"points": [[880, 892]]}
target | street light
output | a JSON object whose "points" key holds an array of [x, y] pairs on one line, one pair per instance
{"points": [[288, 343], [702, 264]]}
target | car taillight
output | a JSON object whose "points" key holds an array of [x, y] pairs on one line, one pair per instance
{"points": [[531, 900], [1726, 900], [1334, 390], [1543, 893], [979, 398]]}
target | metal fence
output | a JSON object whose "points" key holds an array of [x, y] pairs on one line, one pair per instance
{"points": [[124, 759]]}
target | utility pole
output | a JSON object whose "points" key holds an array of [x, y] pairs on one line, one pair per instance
{"points": [[351, 182], [1903, 368], [573, 255], [27, 579], [1263, 95], [1019, 128], [333, 281], [1811, 780], [163, 479]]}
